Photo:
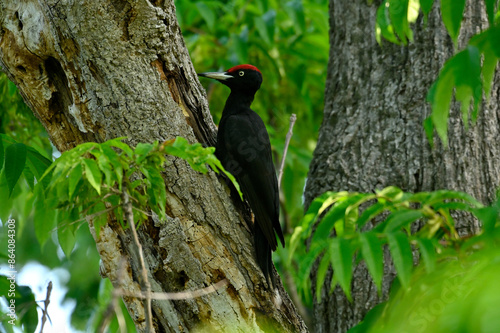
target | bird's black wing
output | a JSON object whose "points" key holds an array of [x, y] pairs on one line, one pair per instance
{"points": [[248, 156]]}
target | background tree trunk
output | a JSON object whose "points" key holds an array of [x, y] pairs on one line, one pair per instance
{"points": [[96, 70], [372, 134]]}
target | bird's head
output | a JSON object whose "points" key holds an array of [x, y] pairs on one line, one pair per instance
{"points": [[243, 78]]}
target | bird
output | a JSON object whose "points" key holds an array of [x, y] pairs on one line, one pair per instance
{"points": [[244, 149]]}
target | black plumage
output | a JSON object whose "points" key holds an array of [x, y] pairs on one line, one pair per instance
{"points": [[244, 149]]}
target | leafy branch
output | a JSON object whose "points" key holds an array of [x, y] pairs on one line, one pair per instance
{"points": [[89, 181], [466, 75], [335, 222]]}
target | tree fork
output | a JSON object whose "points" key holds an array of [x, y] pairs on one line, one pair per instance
{"points": [[100, 70]]}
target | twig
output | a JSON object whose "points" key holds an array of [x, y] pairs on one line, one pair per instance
{"points": [[120, 318], [129, 216], [180, 295], [119, 292], [113, 303], [46, 305], [293, 118], [289, 281], [91, 216]]}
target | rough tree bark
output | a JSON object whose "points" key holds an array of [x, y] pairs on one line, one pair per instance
{"points": [[372, 134], [96, 70]]}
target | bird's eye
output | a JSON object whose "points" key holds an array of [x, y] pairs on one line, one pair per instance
{"points": [[241, 73]]}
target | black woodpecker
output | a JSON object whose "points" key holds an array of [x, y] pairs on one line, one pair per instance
{"points": [[244, 150]]}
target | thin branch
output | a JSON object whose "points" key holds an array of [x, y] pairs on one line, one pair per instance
{"points": [[180, 295], [46, 305], [293, 118], [113, 303], [289, 280], [129, 216], [91, 216]]}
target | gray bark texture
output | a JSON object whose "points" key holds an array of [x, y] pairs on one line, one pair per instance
{"points": [[372, 134], [96, 70]]}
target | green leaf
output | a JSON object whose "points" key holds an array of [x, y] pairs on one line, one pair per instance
{"points": [[371, 249], [435, 197], [107, 169], [142, 150], [383, 28], [117, 142], [29, 176], [306, 261], [493, 38], [207, 13], [29, 315], [426, 6], [462, 71], [38, 164], [440, 98], [370, 213], [114, 159], [341, 258], [392, 193], [452, 12], [262, 29], [2, 154], [489, 65], [321, 274], [336, 213], [428, 252], [66, 236], [401, 218], [93, 174], [400, 249], [295, 11], [44, 220], [451, 205], [216, 165], [240, 45], [398, 13], [490, 10], [73, 179], [295, 240], [429, 130], [156, 191], [467, 67], [488, 216], [15, 159]]}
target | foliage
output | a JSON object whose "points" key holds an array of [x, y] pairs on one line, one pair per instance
{"points": [[392, 213], [25, 306], [278, 37], [87, 182], [468, 73], [64, 197], [18, 121], [104, 295], [461, 295]]}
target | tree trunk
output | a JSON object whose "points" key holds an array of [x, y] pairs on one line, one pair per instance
{"points": [[372, 134], [96, 70]]}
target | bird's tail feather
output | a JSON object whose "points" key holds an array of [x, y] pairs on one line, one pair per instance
{"points": [[264, 255]]}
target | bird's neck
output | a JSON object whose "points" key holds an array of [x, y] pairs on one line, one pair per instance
{"points": [[237, 102]]}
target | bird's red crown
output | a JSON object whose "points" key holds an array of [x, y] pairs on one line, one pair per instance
{"points": [[237, 68]]}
